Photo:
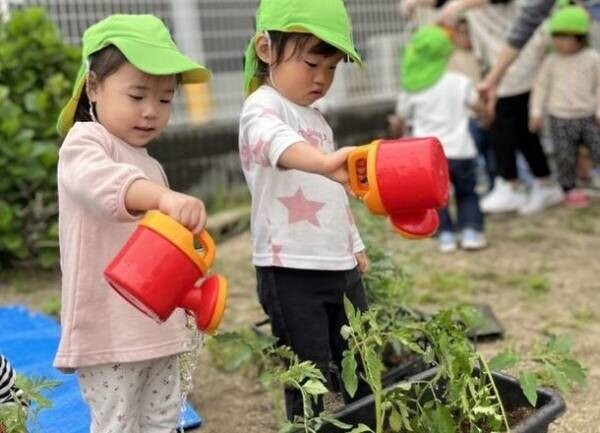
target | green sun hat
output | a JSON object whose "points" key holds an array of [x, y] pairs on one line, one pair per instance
{"points": [[568, 19], [327, 20], [425, 58], [145, 42]]}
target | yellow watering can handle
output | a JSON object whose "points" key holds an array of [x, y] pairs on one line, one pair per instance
{"points": [[361, 153], [208, 248], [182, 238]]}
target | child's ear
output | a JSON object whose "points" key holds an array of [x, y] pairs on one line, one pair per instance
{"points": [[91, 86], [263, 49]]}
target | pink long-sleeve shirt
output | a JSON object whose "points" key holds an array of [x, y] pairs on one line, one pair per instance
{"points": [[95, 169]]}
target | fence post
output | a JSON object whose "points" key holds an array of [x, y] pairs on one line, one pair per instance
{"points": [[188, 35]]}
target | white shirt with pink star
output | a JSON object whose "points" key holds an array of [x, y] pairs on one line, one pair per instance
{"points": [[299, 220]]}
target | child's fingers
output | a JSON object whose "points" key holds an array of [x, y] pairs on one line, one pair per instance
{"points": [[185, 217], [201, 222]]}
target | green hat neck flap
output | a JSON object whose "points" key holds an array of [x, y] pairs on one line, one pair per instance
{"points": [[325, 19], [145, 42], [425, 58]]}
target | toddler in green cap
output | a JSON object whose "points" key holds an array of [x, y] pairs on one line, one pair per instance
{"points": [[306, 248], [126, 363], [437, 102], [567, 89]]}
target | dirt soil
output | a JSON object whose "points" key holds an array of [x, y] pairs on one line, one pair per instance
{"points": [[541, 275]]}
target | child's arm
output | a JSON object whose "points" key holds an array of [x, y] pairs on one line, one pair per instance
{"points": [[145, 195], [303, 156]]}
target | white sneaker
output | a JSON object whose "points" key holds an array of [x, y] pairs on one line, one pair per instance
{"points": [[502, 198], [472, 240], [542, 197], [447, 242]]}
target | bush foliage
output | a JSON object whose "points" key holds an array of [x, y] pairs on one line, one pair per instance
{"points": [[36, 69]]}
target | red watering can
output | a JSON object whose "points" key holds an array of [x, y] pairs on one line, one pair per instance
{"points": [[158, 266], [407, 179]]}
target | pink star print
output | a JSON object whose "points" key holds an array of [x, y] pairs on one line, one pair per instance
{"points": [[259, 152], [301, 209], [312, 137]]}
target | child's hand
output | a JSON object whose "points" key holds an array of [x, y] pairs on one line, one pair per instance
{"points": [[336, 164], [362, 261], [535, 123], [187, 210]]}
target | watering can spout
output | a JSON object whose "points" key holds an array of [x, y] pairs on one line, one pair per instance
{"points": [[207, 302]]}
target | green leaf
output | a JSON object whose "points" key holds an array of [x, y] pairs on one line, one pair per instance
{"points": [[361, 428], [287, 427], [528, 383], [395, 419], [503, 361], [334, 421], [349, 376], [443, 420], [560, 344], [314, 387], [559, 378], [573, 370]]}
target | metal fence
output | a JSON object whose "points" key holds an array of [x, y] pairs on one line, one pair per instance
{"points": [[216, 32]]}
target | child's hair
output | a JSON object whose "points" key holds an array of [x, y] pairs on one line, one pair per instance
{"points": [[280, 40], [103, 63]]}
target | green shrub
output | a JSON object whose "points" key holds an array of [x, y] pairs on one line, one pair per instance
{"points": [[36, 69]]}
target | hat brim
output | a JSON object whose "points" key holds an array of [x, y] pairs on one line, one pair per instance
{"points": [[251, 83], [162, 61]]}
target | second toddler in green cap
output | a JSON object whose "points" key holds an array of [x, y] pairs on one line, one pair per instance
{"points": [[306, 248], [566, 90], [436, 102], [127, 364]]}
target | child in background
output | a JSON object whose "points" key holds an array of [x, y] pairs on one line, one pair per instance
{"points": [[306, 248], [127, 364], [437, 102], [463, 60], [568, 89]]}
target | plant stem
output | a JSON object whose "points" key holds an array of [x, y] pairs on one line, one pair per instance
{"points": [[491, 378]]}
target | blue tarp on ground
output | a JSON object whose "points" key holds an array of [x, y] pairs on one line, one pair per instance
{"points": [[29, 340]]}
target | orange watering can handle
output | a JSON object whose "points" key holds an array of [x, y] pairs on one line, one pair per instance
{"points": [[208, 248], [361, 153]]}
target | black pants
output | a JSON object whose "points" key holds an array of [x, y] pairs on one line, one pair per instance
{"points": [[306, 310], [510, 132], [463, 178]]}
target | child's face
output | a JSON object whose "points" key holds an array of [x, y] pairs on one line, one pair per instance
{"points": [[461, 36], [133, 105], [566, 44], [305, 77]]}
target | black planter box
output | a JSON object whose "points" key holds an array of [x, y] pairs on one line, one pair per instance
{"points": [[550, 406]]}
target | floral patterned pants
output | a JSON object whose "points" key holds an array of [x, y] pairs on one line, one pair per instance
{"points": [[567, 135], [136, 397]]}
